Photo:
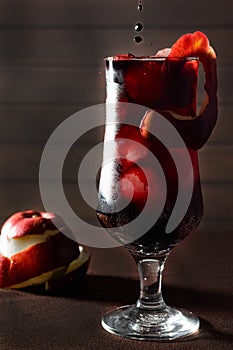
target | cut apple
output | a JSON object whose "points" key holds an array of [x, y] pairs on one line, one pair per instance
{"points": [[197, 132], [33, 250], [195, 129], [54, 277]]}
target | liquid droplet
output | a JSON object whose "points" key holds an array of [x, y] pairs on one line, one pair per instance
{"points": [[140, 6], [138, 39], [138, 27]]}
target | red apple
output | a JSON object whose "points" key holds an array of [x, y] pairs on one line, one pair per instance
{"points": [[135, 185], [31, 246]]}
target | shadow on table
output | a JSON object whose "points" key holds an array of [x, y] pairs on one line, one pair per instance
{"points": [[121, 291], [94, 288], [117, 289], [209, 332]]}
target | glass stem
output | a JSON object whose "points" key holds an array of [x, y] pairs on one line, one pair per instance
{"points": [[150, 273]]}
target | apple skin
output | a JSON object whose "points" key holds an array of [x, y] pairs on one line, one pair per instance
{"points": [[196, 133], [58, 250], [30, 222]]}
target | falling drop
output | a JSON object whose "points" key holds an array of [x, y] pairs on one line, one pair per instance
{"points": [[138, 27], [140, 6], [138, 39]]}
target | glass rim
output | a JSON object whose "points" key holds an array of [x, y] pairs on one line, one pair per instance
{"points": [[149, 58]]}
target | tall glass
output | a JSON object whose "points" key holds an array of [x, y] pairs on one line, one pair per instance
{"points": [[149, 165]]}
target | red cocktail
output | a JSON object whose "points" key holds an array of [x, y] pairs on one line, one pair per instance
{"points": [[149, 192], [161, 85]]}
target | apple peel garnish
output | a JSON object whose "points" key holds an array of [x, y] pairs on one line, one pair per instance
{"points": [[193, 45], [34, 251], [197, 45], [195, 131], [50, 279]]}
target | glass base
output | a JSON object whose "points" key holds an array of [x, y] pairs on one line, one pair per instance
{"points": [[142, 324]]}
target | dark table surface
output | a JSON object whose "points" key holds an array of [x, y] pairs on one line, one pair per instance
{"points": [[197, 276]]}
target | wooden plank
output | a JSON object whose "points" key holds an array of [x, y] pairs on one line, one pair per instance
{"points": [[216, 163], [218, 201], [108, 13], [52, 85], [73, 85], [21, 162], [223, 130], [35, 123], [31, 46], [15, 161], [17, 197], [20, 196]]}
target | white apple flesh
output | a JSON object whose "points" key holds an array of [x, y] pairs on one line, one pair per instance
{"points": [[31, 245]]}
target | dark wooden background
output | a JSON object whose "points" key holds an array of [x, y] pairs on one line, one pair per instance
{"points": [[51, 66]]}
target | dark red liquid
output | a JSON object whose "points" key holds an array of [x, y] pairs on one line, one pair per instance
{"points": [[161, 85]]}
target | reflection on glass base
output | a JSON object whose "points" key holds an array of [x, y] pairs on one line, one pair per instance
{"points": [[135, 323]]}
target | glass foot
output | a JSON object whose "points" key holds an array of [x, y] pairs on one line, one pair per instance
{"points": [[136, 323]]}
